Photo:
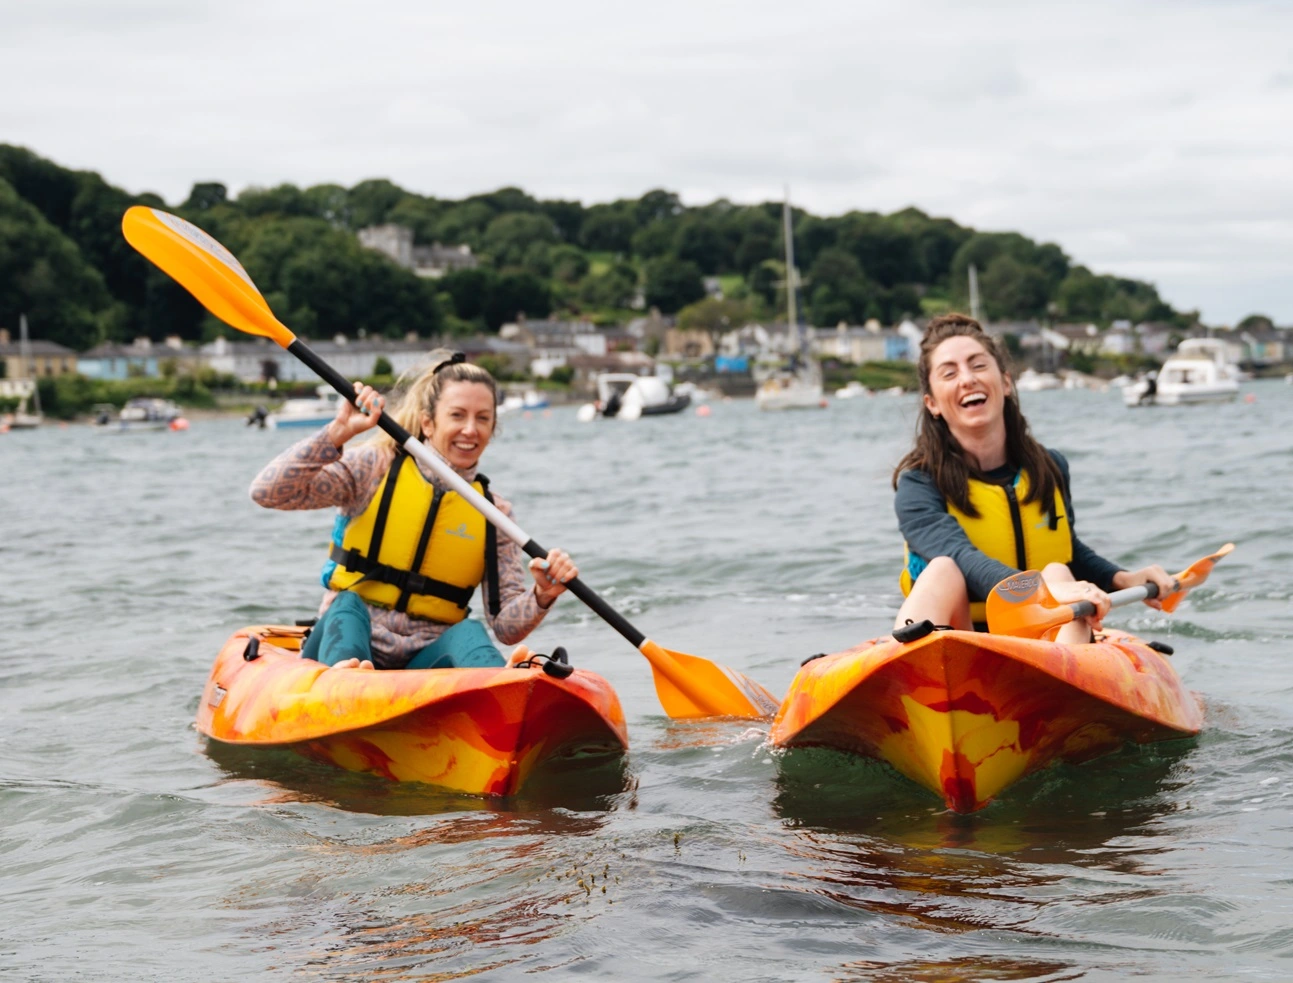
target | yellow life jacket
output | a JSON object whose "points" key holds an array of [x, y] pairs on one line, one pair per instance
{"points": [[1012, 531], [417, 548]]}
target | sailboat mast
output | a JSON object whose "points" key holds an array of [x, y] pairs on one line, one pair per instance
{"points": [[791, 279], [25, 349]]}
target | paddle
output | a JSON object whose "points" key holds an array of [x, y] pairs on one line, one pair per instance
{"points": [[687, 685], [1021, 605]]}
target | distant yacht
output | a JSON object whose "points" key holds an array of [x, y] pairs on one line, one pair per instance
{"points": [[22, 419], [799, 385]]}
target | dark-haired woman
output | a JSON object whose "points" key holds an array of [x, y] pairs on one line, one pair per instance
{"points": [[979, 499], [408, 553]]}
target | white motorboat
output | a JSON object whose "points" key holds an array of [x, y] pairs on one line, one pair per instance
{"points": [[1197, 372], [139, 414], [1030, 381], [307, 412], [531, 399], [628, 397], [797, 386], [852, 391]]}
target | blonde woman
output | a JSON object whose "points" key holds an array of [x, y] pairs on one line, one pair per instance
{"points": [[407, 553]]}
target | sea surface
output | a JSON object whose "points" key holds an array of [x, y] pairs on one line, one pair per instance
{"points": [[130, 851]]}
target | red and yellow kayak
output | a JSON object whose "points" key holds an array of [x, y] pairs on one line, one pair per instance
{"points": [[480, 731], [966, 714]]}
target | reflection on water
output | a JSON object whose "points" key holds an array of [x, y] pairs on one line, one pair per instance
{"points": [[582, 785], [868, 839], [966, 969]]}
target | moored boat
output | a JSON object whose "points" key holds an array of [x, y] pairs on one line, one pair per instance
{"points": [[480, 731], [966, 714], [630, 397], [307, 412], [140, 413], [1199, 371]]}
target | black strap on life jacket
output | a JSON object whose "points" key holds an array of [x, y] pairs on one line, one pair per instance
{"points": [[491, 552], [410, 582]]}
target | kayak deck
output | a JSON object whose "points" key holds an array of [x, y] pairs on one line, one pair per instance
{"points": [[481, 731], [966, 714]]}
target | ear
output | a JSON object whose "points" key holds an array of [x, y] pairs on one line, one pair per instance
{"points": [[929, 405], [427, 424], [1007, 385]]}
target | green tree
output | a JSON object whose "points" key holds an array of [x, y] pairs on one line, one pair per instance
{"points": [[370, 202], [672, 284], [382, 366], [610, 288], [1012, 289], [715, 317], [509, 236], [44, 275], [206, 195], [569, 264], [608, 228]]}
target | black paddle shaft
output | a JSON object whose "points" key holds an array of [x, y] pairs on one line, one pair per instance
{"points": [[401, 436]]}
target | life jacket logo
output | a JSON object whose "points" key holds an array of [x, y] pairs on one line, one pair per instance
{"points": [[1018, 587], [461, 532]]}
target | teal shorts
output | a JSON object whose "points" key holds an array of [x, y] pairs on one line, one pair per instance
{"points": [[345, 632]]}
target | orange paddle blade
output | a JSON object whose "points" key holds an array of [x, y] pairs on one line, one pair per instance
{"points": [[1193, 575], [690, 687], [205, 269], [1022, 606]]}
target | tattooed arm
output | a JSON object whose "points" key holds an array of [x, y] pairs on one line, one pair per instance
{"points": [[314, 474]]}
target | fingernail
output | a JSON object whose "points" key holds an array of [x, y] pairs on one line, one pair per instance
{"points": [[565, 580], [543, 564]]}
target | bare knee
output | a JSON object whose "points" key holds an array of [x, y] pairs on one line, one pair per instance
{"points": [[1057, 573], [938, 595]]}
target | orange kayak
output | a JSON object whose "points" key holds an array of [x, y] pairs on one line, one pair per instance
{"points": [[480, 731], [965, 714]]}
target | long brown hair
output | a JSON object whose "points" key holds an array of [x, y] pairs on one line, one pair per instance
{"points": [[419, 389], [938, 453]]}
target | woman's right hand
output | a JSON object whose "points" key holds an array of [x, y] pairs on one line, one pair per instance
{"points": [[1075, 591], [353, 419]]}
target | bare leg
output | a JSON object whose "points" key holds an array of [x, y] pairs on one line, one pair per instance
{"points": [[938, 595], [1076, 632]]}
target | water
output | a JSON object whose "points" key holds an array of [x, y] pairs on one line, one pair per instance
{"points": [[128, 851]]}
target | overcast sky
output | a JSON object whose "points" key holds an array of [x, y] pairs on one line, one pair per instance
{"points": [[1149, 139]]}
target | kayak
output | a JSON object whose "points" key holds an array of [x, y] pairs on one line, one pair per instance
{"points": [[966, 714], [481, 731]]}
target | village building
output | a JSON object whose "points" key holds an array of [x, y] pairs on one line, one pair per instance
{"points": [[43, 358], [252, 361], [553, 343], [433, 261]]}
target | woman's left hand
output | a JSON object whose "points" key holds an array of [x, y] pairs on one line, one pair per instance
{"points": [[1153, 574], [552, 575]]}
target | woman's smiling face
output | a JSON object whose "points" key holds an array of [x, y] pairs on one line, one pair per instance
{"points": [[463, 423], [966, 386]]}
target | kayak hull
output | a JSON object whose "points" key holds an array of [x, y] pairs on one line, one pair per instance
{"points": [[479, 731], [966, 714]]}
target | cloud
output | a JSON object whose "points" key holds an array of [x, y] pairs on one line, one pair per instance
{"points": [[1140, 137]]}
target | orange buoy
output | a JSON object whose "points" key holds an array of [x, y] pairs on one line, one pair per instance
{"points": [[179, 423], [703, 410]]}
